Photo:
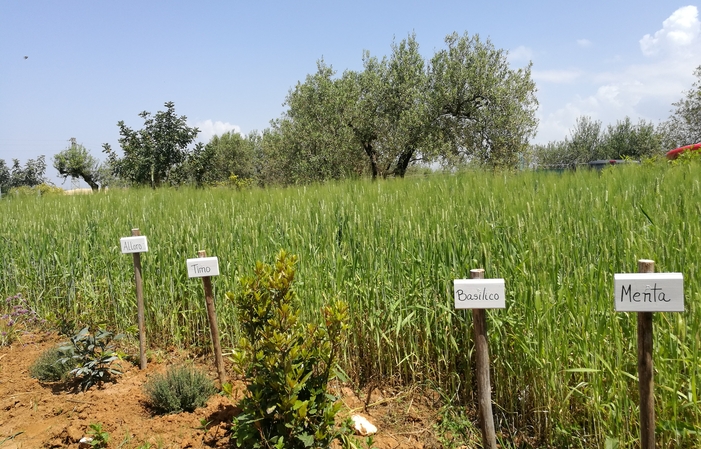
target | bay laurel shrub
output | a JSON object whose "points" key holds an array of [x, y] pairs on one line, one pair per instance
{"points": [[181, 388], [288, 363]]}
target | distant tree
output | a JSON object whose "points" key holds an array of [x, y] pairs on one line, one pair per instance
{"points": [[76, 162], [552, 155], [684, 126], [153, 155], [362, 92], [271, 161], [584, 144], [4, 177], [588, 141], [626, 140], [230, 154], [585, 141], [31, 175]]}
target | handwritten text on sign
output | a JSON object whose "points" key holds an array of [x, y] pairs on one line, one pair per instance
{"points": [[479, 293], [136, 244], [649, 292], [202, 267]]}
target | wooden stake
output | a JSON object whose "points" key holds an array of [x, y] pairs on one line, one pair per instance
{"points": [[139, 303], [646, 384], [484, 387], [213, 328]]}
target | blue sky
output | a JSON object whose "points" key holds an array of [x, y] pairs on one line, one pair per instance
{"points": [[229, 65]]}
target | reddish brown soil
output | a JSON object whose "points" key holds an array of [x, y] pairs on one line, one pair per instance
{"points": [[38, 415]]}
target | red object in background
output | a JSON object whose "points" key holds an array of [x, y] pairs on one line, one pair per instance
{"points": [[673, 154]]}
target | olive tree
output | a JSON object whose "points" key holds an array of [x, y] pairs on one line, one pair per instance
{"points": [[485, 109], [76, 162], [684, 126], [464, 104]]}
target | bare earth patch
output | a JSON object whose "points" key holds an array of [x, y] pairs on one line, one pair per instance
{"points": [[50, 415]]}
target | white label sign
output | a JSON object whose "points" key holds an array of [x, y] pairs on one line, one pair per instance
{"points": [[202, 267], [479, 293], [649, 292], [135, 244]]}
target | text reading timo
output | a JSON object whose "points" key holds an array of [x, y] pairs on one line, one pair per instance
{"points": [[200, 269], [478, 295]]}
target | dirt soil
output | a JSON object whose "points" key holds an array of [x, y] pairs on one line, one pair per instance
{"points": [[49, 415]]}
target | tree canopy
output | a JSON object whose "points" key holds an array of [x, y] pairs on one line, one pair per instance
{"points": [[76, 162], [31, 175], [589, 141], [153, 154], [684, 126], [230, 154], [465, 104]]}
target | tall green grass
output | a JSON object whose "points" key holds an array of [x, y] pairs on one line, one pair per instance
{"points": [[563, 362]]}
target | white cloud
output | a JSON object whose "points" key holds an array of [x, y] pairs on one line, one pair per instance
{"points": [[556, 76], [209, 129], [645, 90], [679, 33], [584, 43], [520, 53]]}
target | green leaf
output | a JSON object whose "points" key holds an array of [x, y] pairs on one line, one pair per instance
{"points": [[306, 439]]}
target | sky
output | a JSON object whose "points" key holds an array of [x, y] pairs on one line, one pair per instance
{"points": [[76, 68]]}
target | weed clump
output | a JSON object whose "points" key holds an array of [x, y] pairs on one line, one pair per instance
{"points": [[181, 388], [51, 366], [288, 363]]}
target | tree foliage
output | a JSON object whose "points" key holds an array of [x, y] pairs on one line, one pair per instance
{"points": [[288, 363], [31, 175], [310, 142], [589, 141], [684, 126], [156, 153], [4, 177], [230, 154], [465, 104], [486, 109], [76, 162]]}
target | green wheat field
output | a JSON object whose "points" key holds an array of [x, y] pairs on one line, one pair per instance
{"points": [[563, 361]]}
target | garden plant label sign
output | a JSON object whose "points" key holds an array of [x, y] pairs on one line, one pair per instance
{"points": [[136, 244], [649, 292], [202, 267], [479, 293]]}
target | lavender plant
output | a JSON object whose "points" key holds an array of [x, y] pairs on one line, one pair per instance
{"points": [[18, 317]]}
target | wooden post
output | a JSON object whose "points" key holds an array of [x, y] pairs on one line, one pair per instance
{"points": [[484, 387], [139, 303], [646, 384], [213, 328]]}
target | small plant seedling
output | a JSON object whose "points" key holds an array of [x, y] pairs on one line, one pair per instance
{"points": [[100, 437], [204, 425], [227, 390], [10, 437]]}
